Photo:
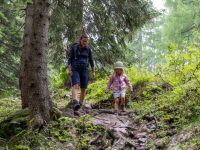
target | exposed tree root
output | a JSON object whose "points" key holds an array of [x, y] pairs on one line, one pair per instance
{"points": [[124, 131]]}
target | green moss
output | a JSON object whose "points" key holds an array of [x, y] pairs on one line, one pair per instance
{"points": [[14, 123], [96, 91], [22, 147], [8, 106], [60, 134]]}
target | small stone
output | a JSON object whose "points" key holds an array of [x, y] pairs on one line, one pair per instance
{"points": [[140, 135], [144, 129], [152, 126], [143, 140], [70, 146], [141, 148], [88, 105], [142, 144], [159, 144]]}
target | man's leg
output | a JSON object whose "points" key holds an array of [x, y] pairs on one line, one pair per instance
{"points": [[82, 95], [75, 102], [84, 77], [75, 89]]}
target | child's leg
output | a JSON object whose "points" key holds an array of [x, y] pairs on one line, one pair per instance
{"points": [[123, 103], [116, 105], [122, 100]]}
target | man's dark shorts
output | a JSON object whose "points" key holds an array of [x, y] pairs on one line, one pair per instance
{"points": [[80, 75]]}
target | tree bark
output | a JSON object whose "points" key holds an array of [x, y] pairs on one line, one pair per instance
{"points": [[24, 56], [39, 99]]}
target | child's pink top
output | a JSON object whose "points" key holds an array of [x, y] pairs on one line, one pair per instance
{"points": [[118, 83]]}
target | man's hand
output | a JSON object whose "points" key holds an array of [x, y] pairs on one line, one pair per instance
{"points": [[93, 75], [70, 70]]}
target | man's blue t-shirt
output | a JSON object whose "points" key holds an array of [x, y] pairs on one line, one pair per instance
{"points": [[80, 56]]}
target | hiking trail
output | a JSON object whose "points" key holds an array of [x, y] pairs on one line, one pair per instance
{"points": [[126, 131]]}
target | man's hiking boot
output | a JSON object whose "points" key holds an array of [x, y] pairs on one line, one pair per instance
{"points": [[81, 103], [76, 105]]}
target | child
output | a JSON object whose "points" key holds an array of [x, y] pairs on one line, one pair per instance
{"points": [[119, 80]]}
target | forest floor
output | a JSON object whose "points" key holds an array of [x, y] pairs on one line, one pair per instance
{"points": [[96, 128]]}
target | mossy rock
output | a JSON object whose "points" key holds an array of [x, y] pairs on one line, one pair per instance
{"points": [[14, 123]]}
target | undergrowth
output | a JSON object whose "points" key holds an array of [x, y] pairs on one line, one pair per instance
{"points": [[65, 133]]}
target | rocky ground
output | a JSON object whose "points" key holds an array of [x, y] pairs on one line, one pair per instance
{"points": [[126, 131]]}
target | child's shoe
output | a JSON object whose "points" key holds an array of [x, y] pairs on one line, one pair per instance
{"points": [[116, 112], [123, 108]]}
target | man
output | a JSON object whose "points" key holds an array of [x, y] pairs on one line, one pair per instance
{"points": [[78, 63]]}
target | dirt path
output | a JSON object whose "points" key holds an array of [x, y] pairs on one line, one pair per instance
{"points": [[126, 131]]}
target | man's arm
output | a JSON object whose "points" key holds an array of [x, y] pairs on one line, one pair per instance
{"points": [[69, 61], [91, 61]]}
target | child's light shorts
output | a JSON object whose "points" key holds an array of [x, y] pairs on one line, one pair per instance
{"points": [[119, 94]]}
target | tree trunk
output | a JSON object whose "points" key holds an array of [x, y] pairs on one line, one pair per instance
{"points": [[24, 56], [39, 100]]}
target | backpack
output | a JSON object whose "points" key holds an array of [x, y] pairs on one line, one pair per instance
{"points": [[76, 51]]}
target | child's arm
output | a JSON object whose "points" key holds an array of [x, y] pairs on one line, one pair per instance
{"points": [[128, 83], [109, 83]]}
